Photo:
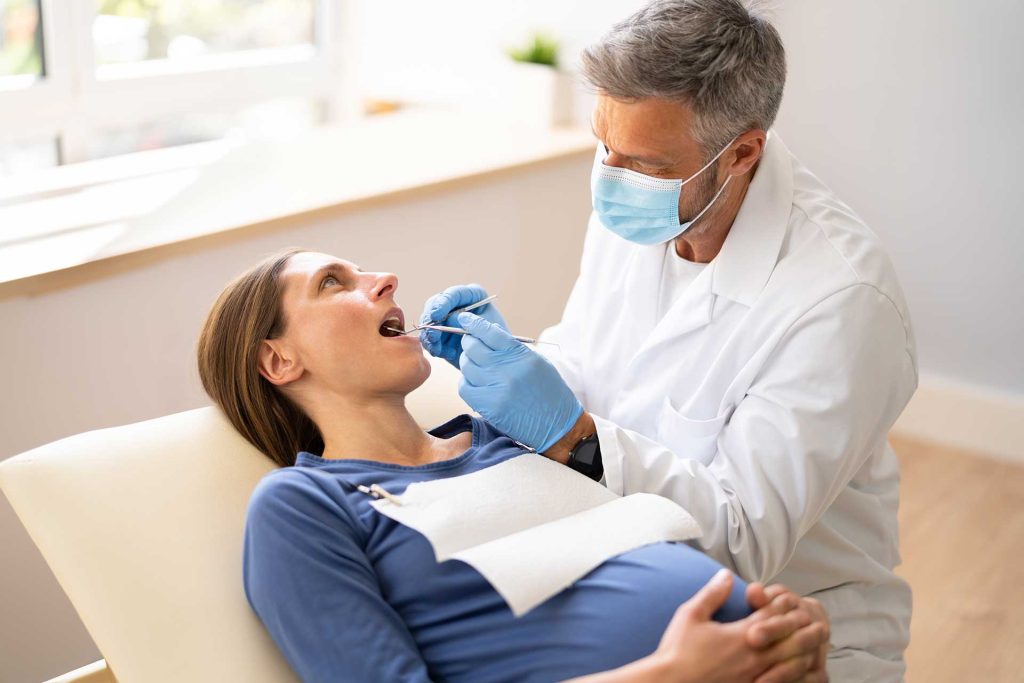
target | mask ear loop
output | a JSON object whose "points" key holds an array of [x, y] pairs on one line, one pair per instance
{"points": [[711, 203], [713, 160], [720, 190]]}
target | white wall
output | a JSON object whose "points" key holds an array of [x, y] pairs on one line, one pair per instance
{"points": [[908, 110], [122, 348], [453, 50]]}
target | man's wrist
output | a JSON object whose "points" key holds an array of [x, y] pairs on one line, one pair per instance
{"points": [[583, 428]]}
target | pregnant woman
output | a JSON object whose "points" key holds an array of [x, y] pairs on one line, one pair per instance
{"points": [[297, 353]]}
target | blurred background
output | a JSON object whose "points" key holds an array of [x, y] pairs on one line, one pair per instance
{"points": [[150, 149]]}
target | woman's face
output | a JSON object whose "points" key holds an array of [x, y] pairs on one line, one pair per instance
{"points": [[334, 314]]}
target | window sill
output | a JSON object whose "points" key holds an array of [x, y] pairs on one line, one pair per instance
{"points": [[81, 221]]}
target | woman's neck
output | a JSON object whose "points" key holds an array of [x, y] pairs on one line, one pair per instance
{"points": [[380, 429]]}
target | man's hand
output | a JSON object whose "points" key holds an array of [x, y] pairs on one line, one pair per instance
{"points": [[513, 387], [437, 311]]}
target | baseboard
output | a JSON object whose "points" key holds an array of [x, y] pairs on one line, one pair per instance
{"points": [[966, 416]]}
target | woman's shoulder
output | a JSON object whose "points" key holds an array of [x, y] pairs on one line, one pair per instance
{"points": [[482, 431], [296, 496]]}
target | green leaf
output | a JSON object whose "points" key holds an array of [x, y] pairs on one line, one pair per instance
{"points": [[543, 49]]}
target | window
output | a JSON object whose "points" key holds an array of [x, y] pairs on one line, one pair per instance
{"points": [[127, 31], [86, 79], [21, 40], [263, 120]]}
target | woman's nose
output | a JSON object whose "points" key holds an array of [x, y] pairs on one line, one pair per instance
{"points": [[386, 285]]}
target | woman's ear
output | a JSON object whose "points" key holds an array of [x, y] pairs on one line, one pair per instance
{"points": [[277, 363]]}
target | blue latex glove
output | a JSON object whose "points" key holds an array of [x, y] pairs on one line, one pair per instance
{"points": [[513, 387], [445, 344]]}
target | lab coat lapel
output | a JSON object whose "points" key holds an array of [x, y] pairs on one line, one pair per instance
{"points": [[751, 249], [643, 278], [690, 312]]}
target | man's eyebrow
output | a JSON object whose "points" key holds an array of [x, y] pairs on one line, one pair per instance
{"points": [[647, 161]]}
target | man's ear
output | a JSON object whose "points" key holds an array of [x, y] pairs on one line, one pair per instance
{"points": [[747, 151], [277, 363]]}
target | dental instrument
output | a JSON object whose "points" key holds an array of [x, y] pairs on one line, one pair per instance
{"points": [[478, 304], [459, 330]]}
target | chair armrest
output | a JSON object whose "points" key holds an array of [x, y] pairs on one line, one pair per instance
{"points": [[97, 672]]}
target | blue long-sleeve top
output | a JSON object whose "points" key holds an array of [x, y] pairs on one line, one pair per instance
{"points": [[349, 594]]}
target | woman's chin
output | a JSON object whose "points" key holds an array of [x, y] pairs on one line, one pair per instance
{"points": [[412, 376], [401, 370], [424, 370]]}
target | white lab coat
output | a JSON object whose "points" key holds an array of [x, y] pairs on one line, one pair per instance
{"points": [[762, 400]]}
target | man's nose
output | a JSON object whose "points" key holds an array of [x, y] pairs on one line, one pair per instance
{"points": [[613, 158]]}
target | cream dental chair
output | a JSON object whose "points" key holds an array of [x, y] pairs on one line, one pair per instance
{"points": [[142, 526]]}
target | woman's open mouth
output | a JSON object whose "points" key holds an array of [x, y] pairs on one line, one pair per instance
{"points": [[393, 325], [389, 329]]}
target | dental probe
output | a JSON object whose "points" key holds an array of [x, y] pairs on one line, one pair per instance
{"points": [[470, 307], [459, 330]]}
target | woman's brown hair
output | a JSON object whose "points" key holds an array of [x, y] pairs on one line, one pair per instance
{"points": [[247, 312]]}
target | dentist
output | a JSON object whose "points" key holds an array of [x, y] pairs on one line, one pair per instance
{"points": [[737, 340]]}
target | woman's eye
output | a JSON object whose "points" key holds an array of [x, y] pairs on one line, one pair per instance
{"points": [[329, 278]]}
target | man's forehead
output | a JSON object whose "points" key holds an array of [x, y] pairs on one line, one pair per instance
{"points": [[649, 127]]}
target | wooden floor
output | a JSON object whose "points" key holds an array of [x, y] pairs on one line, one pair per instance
{"points": [[962, 541]]}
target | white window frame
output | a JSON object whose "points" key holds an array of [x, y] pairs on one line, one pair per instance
{"points": [[74, 98]]}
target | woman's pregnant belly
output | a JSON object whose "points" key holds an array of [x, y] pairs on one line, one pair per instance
{"points": [[614, 615]]}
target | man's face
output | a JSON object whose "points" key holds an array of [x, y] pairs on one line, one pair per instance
{"points": [[652, 136]]}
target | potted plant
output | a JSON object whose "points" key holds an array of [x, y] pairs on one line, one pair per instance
{"points": [[540, 92]]}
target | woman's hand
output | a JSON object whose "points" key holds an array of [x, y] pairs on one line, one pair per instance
{"points": [[784, 641], [785, 647], [769, 630]]}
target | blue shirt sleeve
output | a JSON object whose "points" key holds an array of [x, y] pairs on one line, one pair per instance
{"points": [[308, 579]]}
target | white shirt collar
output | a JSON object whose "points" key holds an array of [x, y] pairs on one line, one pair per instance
{"points": [[751, 248]]}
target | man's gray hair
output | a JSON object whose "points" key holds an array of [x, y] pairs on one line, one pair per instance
{"points": [[720, 58]]}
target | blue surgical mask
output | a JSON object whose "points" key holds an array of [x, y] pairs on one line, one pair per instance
{"points": [[641, 208]]}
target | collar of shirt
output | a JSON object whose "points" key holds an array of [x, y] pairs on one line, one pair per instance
{"points": [[751, 249]]}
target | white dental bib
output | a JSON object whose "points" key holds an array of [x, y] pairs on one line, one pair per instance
{"points": [[532, 527]]}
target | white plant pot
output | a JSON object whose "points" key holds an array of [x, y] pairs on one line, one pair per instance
{"points": [[539, 95]]}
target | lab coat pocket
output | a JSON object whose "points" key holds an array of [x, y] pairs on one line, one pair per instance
{"points": [[687, 437]]}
